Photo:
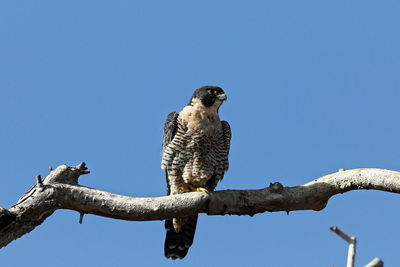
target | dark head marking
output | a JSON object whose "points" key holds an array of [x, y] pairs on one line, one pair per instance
{"points": [[208, 95]]}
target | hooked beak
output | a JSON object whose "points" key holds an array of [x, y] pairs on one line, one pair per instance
{"points": [[222, 97]]}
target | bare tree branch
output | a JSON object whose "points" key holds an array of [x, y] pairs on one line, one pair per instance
{"points": [[352, 245], [377, 262], [60, 190], [336, 229]]}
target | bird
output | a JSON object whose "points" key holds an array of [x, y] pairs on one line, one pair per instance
{"points": [[195, 152]]}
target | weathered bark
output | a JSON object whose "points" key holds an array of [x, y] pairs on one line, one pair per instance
{"points": [[60, 190]]}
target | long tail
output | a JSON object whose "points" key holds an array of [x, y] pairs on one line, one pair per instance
{"points": [[176, 245]]}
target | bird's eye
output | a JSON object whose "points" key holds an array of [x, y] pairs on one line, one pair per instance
{"points": [[212, 91]]}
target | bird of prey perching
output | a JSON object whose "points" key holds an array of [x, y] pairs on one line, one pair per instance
{"points": [[195, 157]]}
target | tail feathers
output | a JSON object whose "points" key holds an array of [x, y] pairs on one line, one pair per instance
{"points": [[177, 244]]}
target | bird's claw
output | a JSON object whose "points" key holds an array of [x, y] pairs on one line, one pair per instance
{"points": [[202, 189], [190, 188]]}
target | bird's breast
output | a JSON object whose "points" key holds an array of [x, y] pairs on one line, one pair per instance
{"points": [[200, 121]]}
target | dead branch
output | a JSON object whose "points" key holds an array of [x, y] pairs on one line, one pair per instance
{"points": [[377, 262], [352, 245], [60, 190]]}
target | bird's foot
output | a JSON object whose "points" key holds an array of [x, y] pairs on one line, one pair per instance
{"points": [[190, 188], [202, 189], [187, 188]]}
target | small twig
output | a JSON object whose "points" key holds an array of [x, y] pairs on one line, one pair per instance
{"points": [[352, 245], [39, 182], [81, 217], [341, 234], [83, 168]]}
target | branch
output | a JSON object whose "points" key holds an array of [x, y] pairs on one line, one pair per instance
{"points": [[60, 190], [377, 262], [352, 245]]}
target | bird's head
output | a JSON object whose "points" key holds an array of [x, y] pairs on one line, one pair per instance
{"points": [[208, 96]]}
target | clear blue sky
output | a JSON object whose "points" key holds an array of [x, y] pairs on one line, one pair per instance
{"points": [[313, 86]]}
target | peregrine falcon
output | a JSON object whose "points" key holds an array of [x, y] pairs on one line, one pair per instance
{"points": [[195, 157]]}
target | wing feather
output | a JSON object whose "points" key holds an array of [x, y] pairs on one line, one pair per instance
{"points": [[170, 128]]}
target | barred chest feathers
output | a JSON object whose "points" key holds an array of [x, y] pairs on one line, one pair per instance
{"points": [[204, 128]]}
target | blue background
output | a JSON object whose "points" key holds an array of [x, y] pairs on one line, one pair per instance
{"points": [[313, 86]]}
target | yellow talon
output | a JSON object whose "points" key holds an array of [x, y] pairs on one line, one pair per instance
{"points": [[190, 188], [201, 189]]}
